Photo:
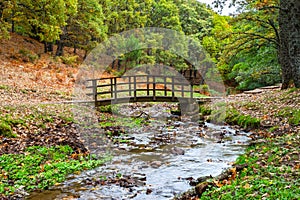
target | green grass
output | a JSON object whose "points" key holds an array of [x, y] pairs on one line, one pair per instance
{"points": [[271, 173], [40, 168]]}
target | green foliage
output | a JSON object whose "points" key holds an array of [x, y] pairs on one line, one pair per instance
{"points": [[195, 18], [69, 60], [205, 110], [5, 129], [295, 118], [43, 19], [273, 129], [256, 69], [6, 124], [40, 168], [245, 46], [291, 90], [165, 15], [4, 87], [86, 26], [292, 114], [271, 172], [108, 109]]}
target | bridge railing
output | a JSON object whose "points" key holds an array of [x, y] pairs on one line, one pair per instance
{"points": [[150, 87]]}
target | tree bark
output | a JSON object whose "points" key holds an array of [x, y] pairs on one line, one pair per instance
{"points": [[289, 50], [294, 41], [60, 48], [61, 42], [48, 47]]}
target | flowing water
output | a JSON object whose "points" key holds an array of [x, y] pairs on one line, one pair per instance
{"points": [[158, 163]]}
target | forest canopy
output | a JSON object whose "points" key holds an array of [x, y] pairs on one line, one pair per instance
{"points": [[244, 47]]}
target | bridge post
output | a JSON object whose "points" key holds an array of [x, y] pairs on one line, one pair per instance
{"points": [[192, 91], [94, 83], [111, 88], [154, 89], [115, 87], [148, 92], [173, 89], [134, 87], [165, 86], [129, 82]]}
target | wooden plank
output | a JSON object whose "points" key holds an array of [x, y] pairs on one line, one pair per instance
{"points": [[105, 92]]}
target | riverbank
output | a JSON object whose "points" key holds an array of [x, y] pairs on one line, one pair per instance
{"points": [[271, 166]]}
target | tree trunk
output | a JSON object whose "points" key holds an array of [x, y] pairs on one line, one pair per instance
{"points": [[60, 48], [289, 50], [61, 43], [75, 49], [48, 47], [294, 41]]}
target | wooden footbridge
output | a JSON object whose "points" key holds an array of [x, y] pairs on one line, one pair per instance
{"points": [[142, 88]]}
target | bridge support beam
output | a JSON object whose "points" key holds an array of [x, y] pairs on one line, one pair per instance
{"points": [[190, 108]]}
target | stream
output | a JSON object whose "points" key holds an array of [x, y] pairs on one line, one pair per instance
{"points": [[158, 161]]}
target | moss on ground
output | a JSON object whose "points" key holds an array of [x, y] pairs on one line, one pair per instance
{"points": [[233, 117]]}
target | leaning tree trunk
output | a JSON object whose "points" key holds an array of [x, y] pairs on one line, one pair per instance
{"points": [[289, 49]]}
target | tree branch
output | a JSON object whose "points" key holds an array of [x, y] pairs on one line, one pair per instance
{"points": [[276, 32], [270, 7]]}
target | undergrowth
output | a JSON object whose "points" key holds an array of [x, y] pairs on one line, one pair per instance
{"points": [[234, 117], [41, 167], [272, 172]]}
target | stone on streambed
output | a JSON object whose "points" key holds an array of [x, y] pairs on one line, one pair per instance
{"points": [[156, 164], [177, 151], [201, 187], [216, 134]]}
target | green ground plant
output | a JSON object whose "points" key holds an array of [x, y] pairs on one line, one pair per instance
{"points": [[6, 130], [41, 167], [271, 173]]}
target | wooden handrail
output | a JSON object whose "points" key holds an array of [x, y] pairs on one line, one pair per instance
{"points": [[141, 83]]}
